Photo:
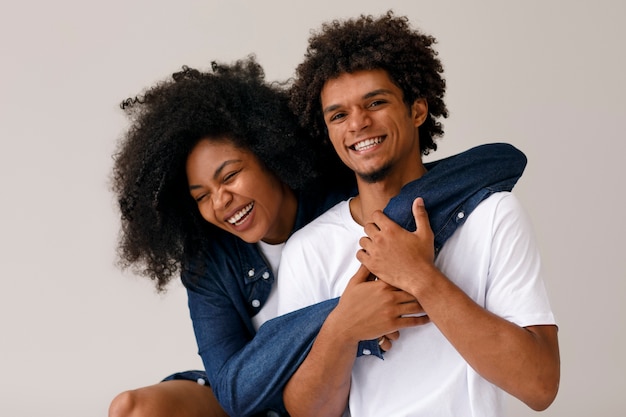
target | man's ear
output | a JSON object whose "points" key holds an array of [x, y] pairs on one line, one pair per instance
{"points": [[419, 111]]}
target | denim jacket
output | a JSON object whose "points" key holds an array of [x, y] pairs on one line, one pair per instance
{"points": [[229, 283]]}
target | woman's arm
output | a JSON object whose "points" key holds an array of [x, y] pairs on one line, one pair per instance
{"points": [[248, 372], [454, 186]]}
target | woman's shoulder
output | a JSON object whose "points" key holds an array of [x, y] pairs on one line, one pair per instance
{"points": [[221, 255]]}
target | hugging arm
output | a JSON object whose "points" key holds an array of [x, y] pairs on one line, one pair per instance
{"points": [[247, 372], [452, 187]]}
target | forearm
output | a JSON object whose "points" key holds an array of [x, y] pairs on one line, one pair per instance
{"points": [[249, 378], [522, 361], [321, 385], [367, 310]]}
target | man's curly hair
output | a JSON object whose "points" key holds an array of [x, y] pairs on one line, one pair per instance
{"points": [[161, 226], [368, 43]]}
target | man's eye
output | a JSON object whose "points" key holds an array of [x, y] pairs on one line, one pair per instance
{"points": [[377, 103]]}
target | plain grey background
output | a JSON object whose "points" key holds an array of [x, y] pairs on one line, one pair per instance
{"points": [[546, 76]]}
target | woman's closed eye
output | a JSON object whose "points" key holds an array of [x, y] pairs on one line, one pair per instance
{"points": [[230, 176], [200, 197]]}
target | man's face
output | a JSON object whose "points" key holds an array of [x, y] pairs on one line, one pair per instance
{"points": [[370, 126]]}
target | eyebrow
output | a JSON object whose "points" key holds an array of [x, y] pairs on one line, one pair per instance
{"points": [[217, 172], [378, 92]]}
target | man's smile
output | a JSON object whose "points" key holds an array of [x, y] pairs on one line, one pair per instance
{"points": [[367, 143]]}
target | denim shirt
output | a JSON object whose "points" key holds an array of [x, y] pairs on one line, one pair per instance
{"points": [[229, 283]]}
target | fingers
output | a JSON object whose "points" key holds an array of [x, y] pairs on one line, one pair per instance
{"points": [[371, 228], [393, 336], [412, 321], [384, 343], [379, 223], [413, 308], [362, 274]]}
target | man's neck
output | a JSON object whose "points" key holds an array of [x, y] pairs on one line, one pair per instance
{"points": [[375, 196]]}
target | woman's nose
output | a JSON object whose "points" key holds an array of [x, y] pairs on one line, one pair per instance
{"points": [[222, 198]]}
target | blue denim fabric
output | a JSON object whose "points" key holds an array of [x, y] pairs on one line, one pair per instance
{"points": [[454, 186], [230, 282]]}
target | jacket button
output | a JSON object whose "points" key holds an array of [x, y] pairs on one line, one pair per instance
{"points": [[256, 303]]}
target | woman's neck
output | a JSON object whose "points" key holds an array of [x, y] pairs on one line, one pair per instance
{"points": [[286, 219]]}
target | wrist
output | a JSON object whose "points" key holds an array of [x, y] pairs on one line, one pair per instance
{"points": [[426, 280], [338, 327]]}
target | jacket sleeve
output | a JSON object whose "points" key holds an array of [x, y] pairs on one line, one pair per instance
{"points": [[454, 186], [247, 372]]}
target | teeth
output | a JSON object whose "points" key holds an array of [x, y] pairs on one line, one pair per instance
{"points": [[240, 214], [367, 143]]}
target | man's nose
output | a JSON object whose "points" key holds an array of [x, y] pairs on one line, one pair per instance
{"points": [[359, 120]]}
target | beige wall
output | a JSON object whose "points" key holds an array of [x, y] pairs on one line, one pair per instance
{"points": [[547, 76]]}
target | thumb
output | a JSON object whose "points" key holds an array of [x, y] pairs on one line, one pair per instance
{"points": [[361, 275], [420, 214]]}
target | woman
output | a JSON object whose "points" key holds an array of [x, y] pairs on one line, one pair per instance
{"points": [[212, 177]]}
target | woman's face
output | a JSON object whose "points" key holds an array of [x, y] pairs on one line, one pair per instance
{"points": [[236, 193]]}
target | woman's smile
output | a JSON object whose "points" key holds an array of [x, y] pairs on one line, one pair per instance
{"points": [[241, 216]]}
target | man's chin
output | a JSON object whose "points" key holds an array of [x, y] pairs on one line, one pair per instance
{"points": [[375, 176]]}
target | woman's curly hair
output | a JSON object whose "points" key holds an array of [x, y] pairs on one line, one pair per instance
{"points": [[161, 226], [366, 43]]}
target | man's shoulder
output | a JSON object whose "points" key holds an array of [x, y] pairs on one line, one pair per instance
{"points": [[501, 206], [497, 204], [499, 213]]}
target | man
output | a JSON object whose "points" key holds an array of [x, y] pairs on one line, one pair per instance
{"points": [[377, 88]]}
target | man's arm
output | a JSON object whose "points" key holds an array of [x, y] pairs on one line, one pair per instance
{"points": [[524, 361], [367, 310]]}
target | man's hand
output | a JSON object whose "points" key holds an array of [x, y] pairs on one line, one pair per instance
{"points": [[394, 254], [370, 309]]}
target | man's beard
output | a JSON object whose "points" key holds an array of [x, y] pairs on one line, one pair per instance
{"points": [[378, 175]]}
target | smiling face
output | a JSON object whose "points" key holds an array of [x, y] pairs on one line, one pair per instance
{"points": [[371, 128], [236, 193]]}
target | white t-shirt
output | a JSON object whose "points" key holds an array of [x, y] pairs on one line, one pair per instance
{"points": [[272, 254], [492, 257]]}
